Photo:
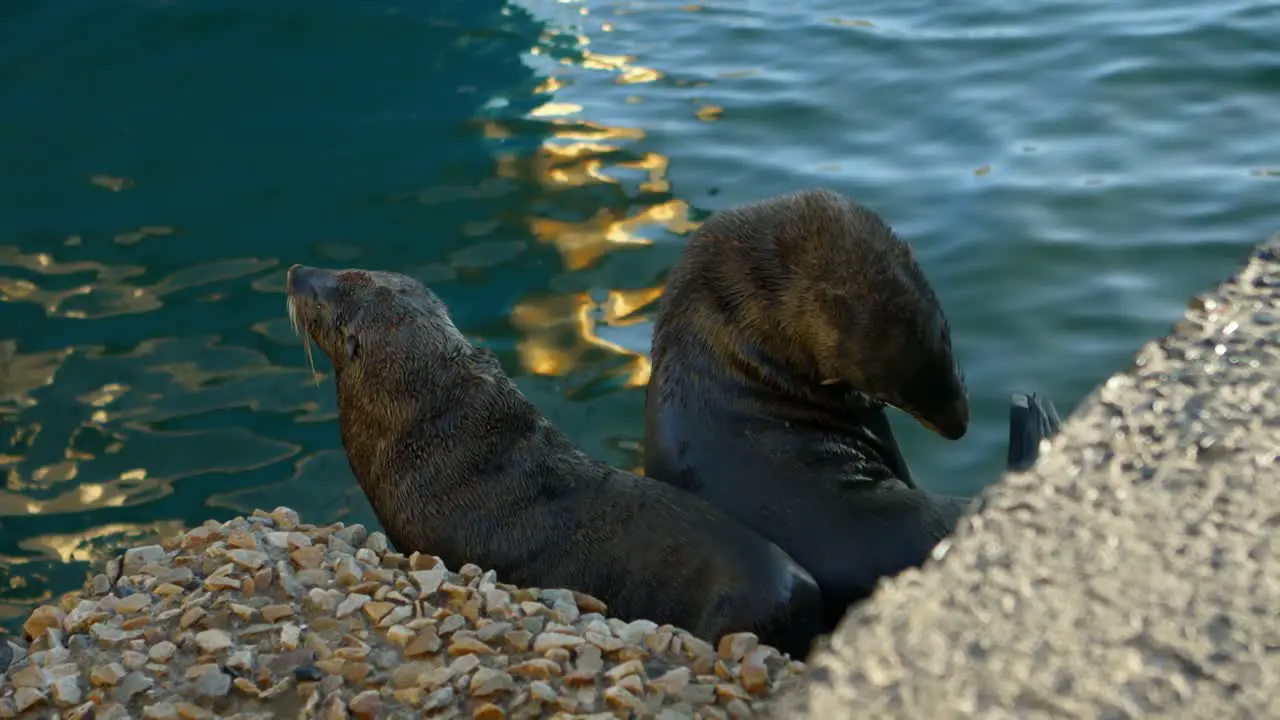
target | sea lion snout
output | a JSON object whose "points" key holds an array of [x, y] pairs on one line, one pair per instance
{"points": [[951, 422], [312, 282]]}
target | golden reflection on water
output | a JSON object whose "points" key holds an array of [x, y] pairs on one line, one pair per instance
{"points": [[68, 459], [109, 292], [560, 329], [559, 332]]}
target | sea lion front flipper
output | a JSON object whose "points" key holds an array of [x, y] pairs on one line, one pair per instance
{"points": [[1031, 419]]}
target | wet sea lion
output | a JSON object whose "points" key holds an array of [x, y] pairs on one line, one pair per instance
{"points": [[785, 328], [456, 462]]}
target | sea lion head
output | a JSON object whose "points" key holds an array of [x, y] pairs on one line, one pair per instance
{"points": [[905, 359], [826, 291], [877, 324], [374, 325]]}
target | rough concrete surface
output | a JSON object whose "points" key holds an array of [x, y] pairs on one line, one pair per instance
{"points": [[1133, 572]]}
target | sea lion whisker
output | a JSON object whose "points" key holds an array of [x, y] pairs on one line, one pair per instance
{"points": [[300, 329], [311, 363]]}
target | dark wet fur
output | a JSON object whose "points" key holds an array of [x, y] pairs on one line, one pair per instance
{"points": [[785, 328], [458, 463]]}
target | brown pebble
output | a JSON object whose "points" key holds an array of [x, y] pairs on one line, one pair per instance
{"points": [[409, 695], [488, 711], [418, 561], [630, 667], [633, 653], [753, 673], [200, 670], [427, 641], [246, 686], [191, 617], [43, 618], [332, 666], [377, 610], [469, 646], [540, 668], [407, 674], [275, 613], [589, 603], [307, 558], [107, 675], [221, 581], [580, 678], [29, 676], [244, 612], [167, 589], [356, 672], [735, 646], [620, 698], [487, 681], [557, 655], [187, 711], [135, 623], [366, 704], [399, 635]]}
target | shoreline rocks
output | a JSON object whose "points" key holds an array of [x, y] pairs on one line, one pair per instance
{"points": [[266, 617]]}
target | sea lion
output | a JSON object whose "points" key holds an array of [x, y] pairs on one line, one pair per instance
{"points": [[785, 328], [456, 462]]}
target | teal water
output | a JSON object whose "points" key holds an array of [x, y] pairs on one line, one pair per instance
{"points": [[1070, 173]]}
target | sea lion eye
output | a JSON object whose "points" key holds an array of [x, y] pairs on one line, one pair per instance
{"points": [[353, 346]]}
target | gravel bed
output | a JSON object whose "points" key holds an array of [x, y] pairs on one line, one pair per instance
{"points": [[264, 617]]}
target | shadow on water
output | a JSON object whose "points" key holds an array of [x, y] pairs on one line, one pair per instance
{"points": [[166, 161]]}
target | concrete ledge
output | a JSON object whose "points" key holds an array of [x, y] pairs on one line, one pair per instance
{"points": [[1135, 572]]}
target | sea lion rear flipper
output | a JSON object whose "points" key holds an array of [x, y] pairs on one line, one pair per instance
{"points": [[1031, 419]]}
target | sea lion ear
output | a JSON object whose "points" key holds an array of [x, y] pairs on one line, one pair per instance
{"points": [[353, 346]]}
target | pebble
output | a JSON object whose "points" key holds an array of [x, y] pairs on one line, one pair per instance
{"points": [[237, 615], [162, 651], [212, 641]]}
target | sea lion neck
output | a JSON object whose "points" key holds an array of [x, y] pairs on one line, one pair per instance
{"points": [[387, 393], [414, 413]]}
